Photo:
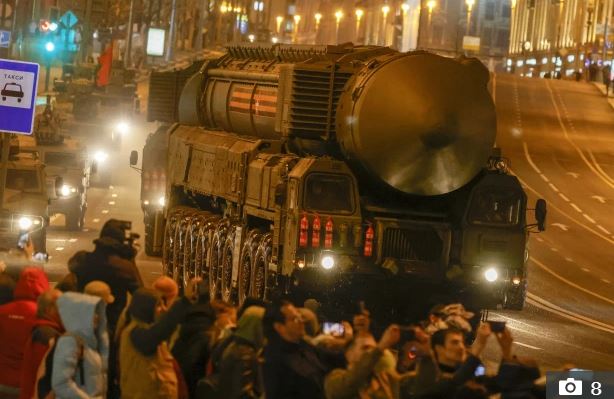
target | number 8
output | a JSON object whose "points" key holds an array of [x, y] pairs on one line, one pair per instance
{"points": [[596, 388]]}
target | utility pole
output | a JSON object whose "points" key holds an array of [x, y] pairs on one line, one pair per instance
{"points": [[128, 55], [171, 34], [4, 163]]}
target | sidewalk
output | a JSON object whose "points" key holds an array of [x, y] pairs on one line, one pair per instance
{"points": [[601, 87]]}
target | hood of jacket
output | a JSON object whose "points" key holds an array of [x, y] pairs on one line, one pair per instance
{"points": [[111, 246], [143, 305], [77, 312], [32, 282], [249, 326]]}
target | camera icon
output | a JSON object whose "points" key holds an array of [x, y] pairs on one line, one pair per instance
{"points": [[570, 387]]}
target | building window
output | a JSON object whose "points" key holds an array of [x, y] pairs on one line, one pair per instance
{"points": [[489, 11], [486, 37], [506, 11]]}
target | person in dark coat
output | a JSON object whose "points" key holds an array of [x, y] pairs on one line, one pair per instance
{"points": [[111, 262], [292, 367]]}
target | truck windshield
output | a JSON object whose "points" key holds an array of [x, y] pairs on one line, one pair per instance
{"points": [[329, 193], [495, 206], [22, 180], [65, 159]]}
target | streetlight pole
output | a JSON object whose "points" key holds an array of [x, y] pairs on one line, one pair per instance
{"points": [[469, 4], [430, 4], [385, 11], [279, 19], [359, 13], [338, 16], [318, 18], [297, 20], [404, 27]]}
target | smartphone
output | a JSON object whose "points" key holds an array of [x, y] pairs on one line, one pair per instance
{"points": [[480, 371], [496, 326], [333, 329]]}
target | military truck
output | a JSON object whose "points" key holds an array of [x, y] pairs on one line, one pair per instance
{"points": [[26, 198], [65, 158], [317, 170]]}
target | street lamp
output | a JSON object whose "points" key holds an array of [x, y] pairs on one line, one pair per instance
{"points": [[279, 20], [469, 4], [297, 20], [338, 16], [405, 8], [385, 11], [431, 4]]}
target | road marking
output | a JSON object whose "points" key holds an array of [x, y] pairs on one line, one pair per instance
{"points": [[56, 239], [552, 186], [590, 219], [528, 346], [554, 249], [576, 207], [566, 134], [539, 239], [529, 159], [568, 259], [564, 197], [574, 175], [605, 280], [568, 314], [600, 227], [585, 269], [111, 188], [96, 220], [571, 283], [114, 195], [544, 178], [105, 211], [512, 319], [72, 240], [59, 248], [590, 153], [599, 198], [560, 226], [111, 202]]}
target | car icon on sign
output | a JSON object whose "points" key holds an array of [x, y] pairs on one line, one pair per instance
{"points": [[12, 90]]}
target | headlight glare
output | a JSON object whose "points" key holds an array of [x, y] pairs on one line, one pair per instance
{"points": [[491, 275], [122, 127], [327, 262], [25, 223], [100, 156], [66, 190], [161, 201]]}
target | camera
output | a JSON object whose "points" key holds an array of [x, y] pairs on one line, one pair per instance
{"points": [[496, 326], [333, 329], [570, 387]]}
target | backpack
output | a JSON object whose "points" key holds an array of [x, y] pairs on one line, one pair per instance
{"points": [[43, 388]]}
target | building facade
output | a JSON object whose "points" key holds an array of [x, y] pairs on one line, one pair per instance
{"points": [[559, 36]]}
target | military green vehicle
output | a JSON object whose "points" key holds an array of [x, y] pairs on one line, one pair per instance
{"points": [[340, 172], [65, 158], [26, 198]]}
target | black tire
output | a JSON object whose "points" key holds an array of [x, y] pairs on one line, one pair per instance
{"points": [[189, 250], [214, 258], [74, 220], [203, 245], [260, 277], [246, 266], [226, 290], [515, 298]]}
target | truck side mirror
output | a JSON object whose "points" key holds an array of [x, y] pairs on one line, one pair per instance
{"points": [[58, 183], [134, 158], [540, 214], [280, 193]]}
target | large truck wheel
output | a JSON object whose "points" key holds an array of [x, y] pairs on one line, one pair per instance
{"points": [[246, 266], [75, 220], [261, 280], [214, 258], [515, 298], [150, 224]]}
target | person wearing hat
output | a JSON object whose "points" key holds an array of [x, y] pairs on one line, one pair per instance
{"points": [[101, 290], [168, 290], [111, 262]]}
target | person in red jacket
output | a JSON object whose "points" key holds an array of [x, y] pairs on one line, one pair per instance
{"points": [[48, 326], [16, 321]]}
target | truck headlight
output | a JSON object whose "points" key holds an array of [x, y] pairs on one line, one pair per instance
{"points": [[100, 156], [25, 223], [491, 274], [327, 262], [161, 201], [66, 190], [122, 127]]}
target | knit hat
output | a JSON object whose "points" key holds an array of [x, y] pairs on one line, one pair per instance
{"points": [[143, 305], [100, 289], [113, 229]]}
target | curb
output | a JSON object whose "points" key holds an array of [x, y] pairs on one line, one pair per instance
{"points": [[601, 89]]}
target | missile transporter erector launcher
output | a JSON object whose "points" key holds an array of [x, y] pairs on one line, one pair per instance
{"points": [[317, 168]]}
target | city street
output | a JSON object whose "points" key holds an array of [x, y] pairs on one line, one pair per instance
{"points": [[557, 136]]}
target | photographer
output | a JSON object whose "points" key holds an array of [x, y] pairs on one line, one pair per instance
{"points": [[111, 262]]}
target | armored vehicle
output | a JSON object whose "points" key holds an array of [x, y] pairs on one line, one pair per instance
{"points": [[317, 170], [25, 201], [64, 158]]}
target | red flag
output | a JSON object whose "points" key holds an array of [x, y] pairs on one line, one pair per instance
{"points": [[105, 60]]}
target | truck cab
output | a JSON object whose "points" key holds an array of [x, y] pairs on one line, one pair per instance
{"points": [[26, 198]]}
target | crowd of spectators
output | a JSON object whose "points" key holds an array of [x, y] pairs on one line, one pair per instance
{"points": [[101, 334]]}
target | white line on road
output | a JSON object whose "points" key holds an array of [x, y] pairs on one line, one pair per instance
{"points": [[585, 269], [105, 211], [72, 240], [554, 249], [576, 207], [96, 220], [605, 280], [600, 227], [574, 175], [568, 259], [564, 197], [599, 198], [59, 248], [571, 283], [529, 160], [552, 186], [539, 239], [528, 346], [111, 202], [544, 178], [590, 219], [114, 195], [561, 226]]}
